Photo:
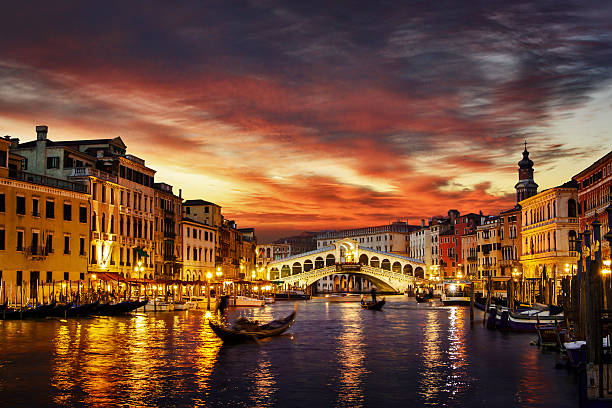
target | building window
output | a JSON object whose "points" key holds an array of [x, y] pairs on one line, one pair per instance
{"points": [[67, 212], [82, 246], [2, 203], [103, 194], [94, 190], [112, 196], [93, 222], [35, 208], [83, 214], [53, 162], [21, 205], [3, 161], [2, 240], [19, 277], [66, 244], [121, 197], [82, 276], [66, 276], [19, 240], [188, 210], [48, 244], [93, 254], [49, 277], [50, 209]]}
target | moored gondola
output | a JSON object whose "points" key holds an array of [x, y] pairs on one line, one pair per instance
{"points": [[427, 297], [250, 331]]}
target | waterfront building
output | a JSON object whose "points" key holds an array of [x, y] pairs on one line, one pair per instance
{"points": [[168, 254], [469, 254], [267, 253], [510, 232], [44, 231], [420, 244], [198, 250], [594, 194], [203, 211], [304, 242], [392, 238], [438, 226], [121, 193], [488, 244], [548, 233]]}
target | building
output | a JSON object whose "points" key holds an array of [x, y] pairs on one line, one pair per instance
{"points": [[387, 238], [548, 233], [44, 231], [168, 254], [510, 241], [304, 242], [488, 245], [420, 244], [525, 187], [594, 194], [198, 250], [469, 255], [121, 192], [203, 211], [267, 253]]}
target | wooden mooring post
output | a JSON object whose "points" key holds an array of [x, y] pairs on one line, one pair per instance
{"points": [[471, 302]]}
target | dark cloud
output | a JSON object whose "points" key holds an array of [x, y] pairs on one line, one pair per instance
{"points": [[374, 87]]}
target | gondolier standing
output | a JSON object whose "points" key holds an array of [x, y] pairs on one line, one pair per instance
{"points": [[373, 293]]}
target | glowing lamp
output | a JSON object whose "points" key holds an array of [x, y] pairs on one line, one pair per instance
{"points": [[452, 288]]}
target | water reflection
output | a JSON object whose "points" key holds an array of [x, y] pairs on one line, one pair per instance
{"points": [[341, 356], [429, 379], [351, 357]]}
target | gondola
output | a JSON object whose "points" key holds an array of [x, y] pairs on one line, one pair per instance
{"points": [[256, 332], [424, 298], [373, 305]]}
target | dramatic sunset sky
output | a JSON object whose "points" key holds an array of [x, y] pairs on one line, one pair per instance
{"points": [[310, 115]]}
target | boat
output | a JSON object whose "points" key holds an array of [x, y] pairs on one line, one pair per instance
{"points": [[245, 301], [245, 330], [180, 305], [551, 335], [269, 300], [293, 294], [196, 302], [576, 352], [422, 298], [371, 305], [456, 292], [123, 307], [343, 297], [526, 320]]}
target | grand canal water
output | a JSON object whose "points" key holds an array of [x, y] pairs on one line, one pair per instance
{"points": [[336, 355]]}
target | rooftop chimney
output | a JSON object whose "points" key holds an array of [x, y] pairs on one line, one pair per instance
{"points": [[41, 132]]}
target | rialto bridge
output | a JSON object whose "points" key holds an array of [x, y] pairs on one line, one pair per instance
{"points": [[389, 272]]}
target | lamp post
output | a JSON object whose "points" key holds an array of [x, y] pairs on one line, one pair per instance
{"points": [[208, 276]]}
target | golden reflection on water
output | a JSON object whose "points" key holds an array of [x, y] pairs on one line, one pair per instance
{"points": [[105, 360], [264, 382], [351, 356], [456, 352], [429, 377]]}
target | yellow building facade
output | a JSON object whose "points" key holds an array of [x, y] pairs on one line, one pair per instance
{"points": [[44, 234]]}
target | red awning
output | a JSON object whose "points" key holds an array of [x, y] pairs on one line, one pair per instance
{"points": [[110, 276]]}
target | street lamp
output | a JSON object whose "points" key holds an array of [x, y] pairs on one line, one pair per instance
{"points": [[208, 276]]}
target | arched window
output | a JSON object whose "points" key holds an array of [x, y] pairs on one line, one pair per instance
{"points": [[94, 220], [573, 243]]}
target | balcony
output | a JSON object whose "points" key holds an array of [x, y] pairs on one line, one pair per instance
{"points": [[35, 252], [83, 172], [46, 181]]}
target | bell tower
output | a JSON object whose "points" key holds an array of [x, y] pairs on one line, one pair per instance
{"points": [[525, 187]]}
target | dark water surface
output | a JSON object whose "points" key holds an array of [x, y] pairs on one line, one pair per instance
{"points": [[336, 355]]}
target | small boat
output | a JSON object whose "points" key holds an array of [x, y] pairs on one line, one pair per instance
{"points": [[526, 320], [343, 297], [371, 305], [551, 335], [180, 305], [269, 300], [196, 302], [245, 301], [427, 297], [247, 330], [455, 292], [294, 294], [576, 352]]}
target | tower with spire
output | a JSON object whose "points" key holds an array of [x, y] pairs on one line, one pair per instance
{"points": [[526, 187]]}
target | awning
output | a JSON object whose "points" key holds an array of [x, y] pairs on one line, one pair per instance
{"points": [[110, 276]]}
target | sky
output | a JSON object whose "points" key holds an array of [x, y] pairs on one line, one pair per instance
{"points": [[311, 115]]}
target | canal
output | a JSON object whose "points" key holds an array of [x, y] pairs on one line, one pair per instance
{"points": [[336, 355]]}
